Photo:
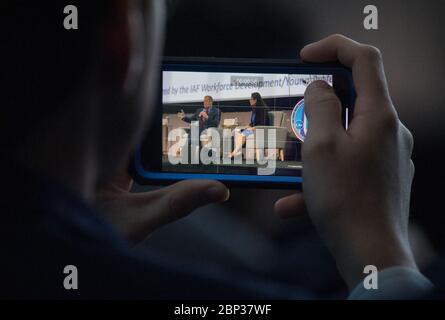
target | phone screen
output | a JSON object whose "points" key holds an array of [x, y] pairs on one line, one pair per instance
{"points": [[234, 123], [238, 121]]}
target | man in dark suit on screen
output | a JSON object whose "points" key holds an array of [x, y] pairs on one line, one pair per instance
{"points": [[208, 117]]}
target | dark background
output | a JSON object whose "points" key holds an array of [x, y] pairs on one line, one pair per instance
{"points": [[411, 40]]}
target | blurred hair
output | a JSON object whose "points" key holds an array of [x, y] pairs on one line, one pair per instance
{"points": [[259, 100]]}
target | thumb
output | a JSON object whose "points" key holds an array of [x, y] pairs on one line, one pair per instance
{"points": [[180, 199], [185, 196], [323, 109], [148, 211], [291, 206]]}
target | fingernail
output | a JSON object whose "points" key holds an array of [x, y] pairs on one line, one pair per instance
{"points": [[319, 84], [218, 193], [227, 196]]}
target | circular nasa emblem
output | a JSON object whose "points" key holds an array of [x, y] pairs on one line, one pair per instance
{"points": [[299, 121]]}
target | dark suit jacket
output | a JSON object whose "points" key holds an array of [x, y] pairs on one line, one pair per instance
{"points": [[212, 121]]}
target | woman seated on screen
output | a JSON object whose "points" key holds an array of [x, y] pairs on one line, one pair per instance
{"points": [[258, 118]]}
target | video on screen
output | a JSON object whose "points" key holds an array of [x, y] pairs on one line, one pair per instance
{"points": [[234, 123]]}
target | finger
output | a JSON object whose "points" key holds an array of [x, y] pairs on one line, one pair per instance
{"points": [[178, 200], [323, 109], [408, 139], [290, 207], [365, 61], [188, 195]]}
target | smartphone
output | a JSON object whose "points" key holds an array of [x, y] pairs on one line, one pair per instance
{"points": [[240, 121]]}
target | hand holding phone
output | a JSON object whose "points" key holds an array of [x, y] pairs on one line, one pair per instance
{"points": [[136, 215], [357, 183]]}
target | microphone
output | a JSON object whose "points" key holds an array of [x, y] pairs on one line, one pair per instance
{"points": [[203, 110]]}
